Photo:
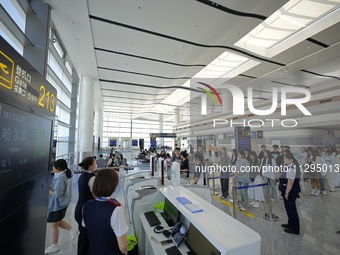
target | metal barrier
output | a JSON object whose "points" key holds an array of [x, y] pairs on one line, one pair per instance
{"points": [[268, 216], [152, 166], [162, 172]]}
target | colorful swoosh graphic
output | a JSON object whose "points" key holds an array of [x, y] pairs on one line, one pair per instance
{"points": [[210, 94]]}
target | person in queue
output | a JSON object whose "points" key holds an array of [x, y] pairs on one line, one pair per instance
{"points": [[267, 167], [184, 167], [199, 178], [255, 176], [242, 179], [85, 184], [59, 200], [263, 149], [101, 162], [290, 188], [176, 157], [111, 161], [312, 161], [103, 217], [224, 162]]}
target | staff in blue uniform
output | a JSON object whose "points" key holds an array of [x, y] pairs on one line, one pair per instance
{"points": [[85, 184], [104, 218], [290, 189]]}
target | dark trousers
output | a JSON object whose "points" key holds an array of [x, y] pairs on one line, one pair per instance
{"points": [[83, 242], [293, 217], [225, 186]]}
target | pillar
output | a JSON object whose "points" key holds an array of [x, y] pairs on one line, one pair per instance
{"points": [[98, 128], [86, 108], [74, 160]]}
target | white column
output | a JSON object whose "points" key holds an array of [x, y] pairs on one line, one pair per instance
{"points": [[227, 103], [86, 108], [98, 128]]}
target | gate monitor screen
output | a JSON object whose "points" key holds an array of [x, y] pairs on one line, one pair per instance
{"points": [[198, 244]]}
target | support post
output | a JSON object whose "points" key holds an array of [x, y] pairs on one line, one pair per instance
{"points": [[152, 166], [270, 216], [162, 172], [234, 198]]}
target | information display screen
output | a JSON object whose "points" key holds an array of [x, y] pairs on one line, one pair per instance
{"points": [[25, 141], [198, 243], [243, 138]]}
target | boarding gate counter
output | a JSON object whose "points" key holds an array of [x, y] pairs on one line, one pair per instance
{"points": [[227, 235]]}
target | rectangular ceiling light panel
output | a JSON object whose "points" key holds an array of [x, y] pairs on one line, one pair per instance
{"points": [[296, 21]]}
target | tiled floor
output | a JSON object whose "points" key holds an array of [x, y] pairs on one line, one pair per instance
{"points": [[319, 222], [319, 219]]}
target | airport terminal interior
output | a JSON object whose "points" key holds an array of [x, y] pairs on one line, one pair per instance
{"points": [[219, 121]]}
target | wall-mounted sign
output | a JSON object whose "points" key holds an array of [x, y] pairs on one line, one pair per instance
{"points": [[134, 142], [226, 135], [163, 135], [22, 86], [112, 142], [243, 138]]}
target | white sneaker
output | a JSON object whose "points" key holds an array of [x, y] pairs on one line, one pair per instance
{"points": [[272, 199], [252, 203], [313, 192], [332, 190], [317, 193], [237, 201], [52, 249], [242, 209], [324, 193], [256, 205]]}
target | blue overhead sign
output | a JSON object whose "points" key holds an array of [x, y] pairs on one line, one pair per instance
{"points": [[163, 135]]}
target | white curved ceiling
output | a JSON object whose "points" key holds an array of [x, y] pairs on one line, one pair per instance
{"points": [[140, 52]]}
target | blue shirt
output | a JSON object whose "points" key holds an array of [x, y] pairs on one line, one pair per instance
{"points": [[61, 197]]}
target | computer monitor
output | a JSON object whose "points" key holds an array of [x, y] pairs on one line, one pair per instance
{"points": [[171, 211], [198, 244]]}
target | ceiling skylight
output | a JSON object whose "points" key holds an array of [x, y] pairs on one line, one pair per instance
{"points": [[296, 21]]}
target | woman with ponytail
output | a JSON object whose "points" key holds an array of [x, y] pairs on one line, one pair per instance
{"points": [[59, 199]]}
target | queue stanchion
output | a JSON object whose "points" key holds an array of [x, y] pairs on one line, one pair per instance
{"points": [[234, 197], [270, 216], [152, 166], [213, 177], [214, 188], [207, 177], [162, 172]]}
